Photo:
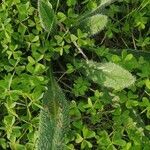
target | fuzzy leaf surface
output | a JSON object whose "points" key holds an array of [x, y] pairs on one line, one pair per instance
{"points": [[53, 118], [47, 15], [94, 24], [108, 74]]}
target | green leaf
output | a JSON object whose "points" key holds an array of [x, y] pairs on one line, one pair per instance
{"points": [[71, 2], [94, 24], [79, 138], [147, 127], [3, 143], [86, 144], [87, 133], [35, 39], [147, 82], [31, 60], [103, 139], [61, 16], [100, 8], [97, 10], [53, 118], [47, 15], [18, 146], [108, 74], [119, 142], [105, 3], [80, 86]]}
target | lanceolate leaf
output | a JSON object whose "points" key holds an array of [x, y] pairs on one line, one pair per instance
{"points": [[96, 11], [102, 5], [109, 75], [93, 25], [105, 3], [47, 15], [53, 118]]}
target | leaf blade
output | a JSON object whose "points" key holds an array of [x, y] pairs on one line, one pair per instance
{"points": [[53, 118], [109, 74], [47, 15], [94, 24]]}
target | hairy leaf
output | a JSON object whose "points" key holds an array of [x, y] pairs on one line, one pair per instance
{"points": [[96, 11], [53, 118], [94, 24], [47, 15], [105, 3], [109, 75], [102, 5]]}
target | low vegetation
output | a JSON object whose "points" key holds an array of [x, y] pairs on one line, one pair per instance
{"points": [[75, 75]]}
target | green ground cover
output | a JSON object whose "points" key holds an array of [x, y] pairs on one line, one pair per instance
{"points": [[106, 113]]}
